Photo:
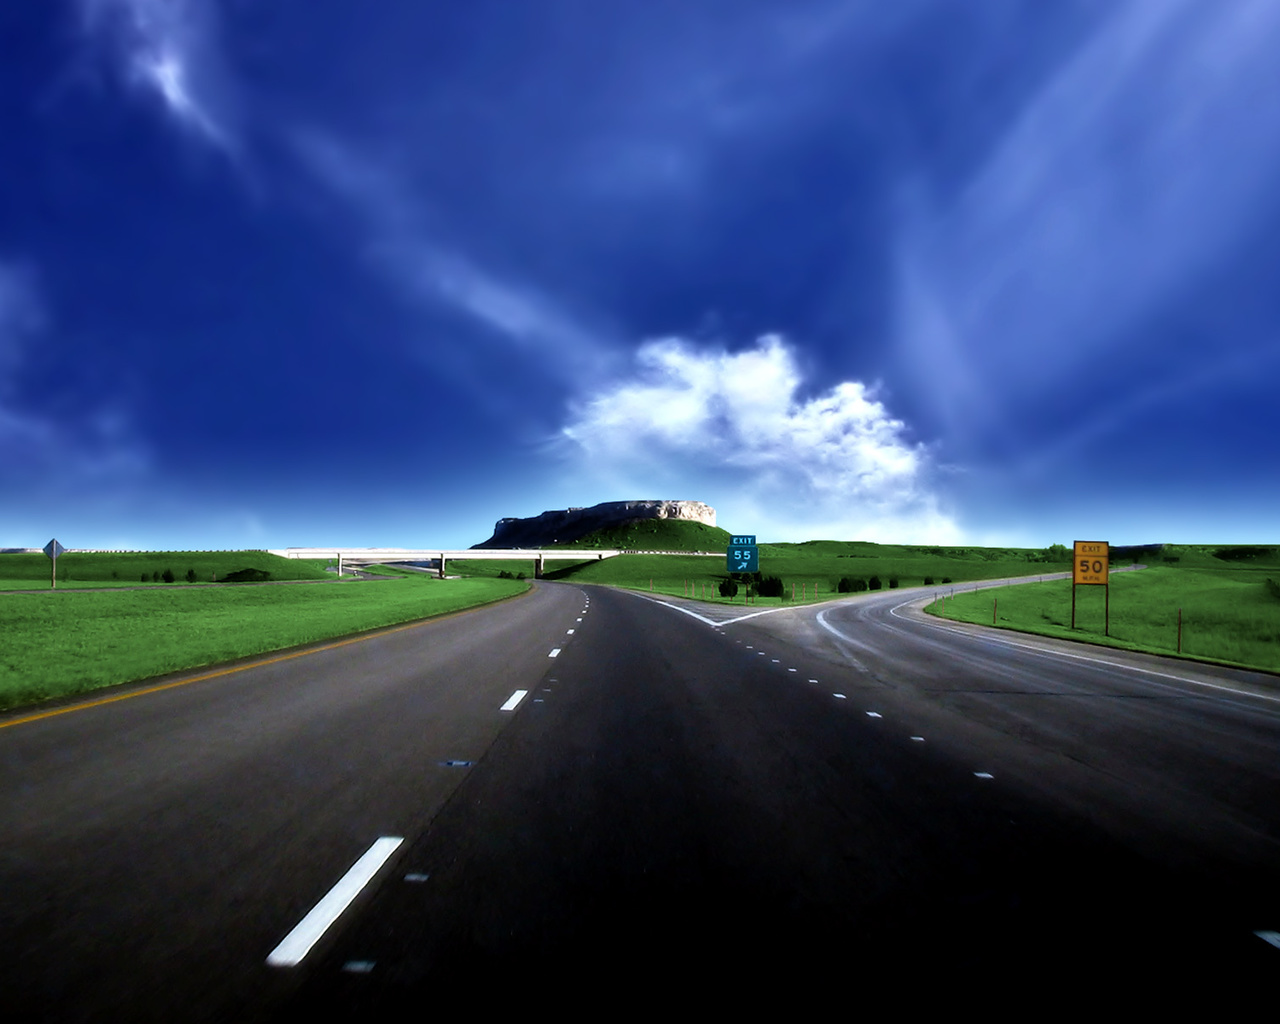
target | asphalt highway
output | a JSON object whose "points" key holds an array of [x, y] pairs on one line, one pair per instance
{"points": [[688, 802]]}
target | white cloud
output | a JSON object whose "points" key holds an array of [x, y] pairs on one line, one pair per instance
{"points": [[837, 464], [169, 48]]}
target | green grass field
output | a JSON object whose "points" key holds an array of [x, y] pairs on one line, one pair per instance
{"points": [[814, 568], [77, 570], [1229, 613], [57, 644]]}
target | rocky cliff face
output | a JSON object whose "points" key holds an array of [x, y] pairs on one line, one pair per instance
{"points": [[565, 525]]}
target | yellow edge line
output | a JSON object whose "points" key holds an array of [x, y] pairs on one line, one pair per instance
{"points": [[240, 668]]}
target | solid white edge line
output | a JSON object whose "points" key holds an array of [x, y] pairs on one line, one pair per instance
{"points": [[297, 944], [1052, 652], [514, 700]]}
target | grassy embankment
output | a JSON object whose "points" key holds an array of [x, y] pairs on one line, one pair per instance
{"points": [[78, 570], [58, 644], [1230, 606], [814, 568]]}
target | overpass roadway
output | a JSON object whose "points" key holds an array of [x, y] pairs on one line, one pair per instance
{"points": [[603, 796], [539, 556]]}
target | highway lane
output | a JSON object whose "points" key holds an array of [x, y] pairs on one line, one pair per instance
{"points": [[794, 804], [155, 849], [716, 814]]}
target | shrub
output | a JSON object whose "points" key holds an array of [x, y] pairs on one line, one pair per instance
{"points": [[144, 578], [728, 588], [874, 583], [506, 574], [155, 577], [770, 586], [893, 582], [845, 585], [946, 579], [191, 575], [168, 576], [928, 581], [247, 576], [1273, 588]]}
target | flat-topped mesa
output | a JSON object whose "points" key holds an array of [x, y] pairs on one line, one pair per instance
{"points": [[563, 526]]}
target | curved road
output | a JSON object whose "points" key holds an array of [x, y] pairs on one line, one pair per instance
{"points": [[689, 802]]}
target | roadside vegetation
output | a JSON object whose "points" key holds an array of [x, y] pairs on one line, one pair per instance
{"points": [[1228, 597], [78, 570], [66, 642], [814, 570]]}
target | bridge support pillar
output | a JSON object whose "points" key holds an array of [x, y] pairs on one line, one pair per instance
{"points": [[442, 565], [539, 567]]}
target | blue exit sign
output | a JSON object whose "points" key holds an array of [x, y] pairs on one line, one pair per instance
{"points": [[746, 541]]}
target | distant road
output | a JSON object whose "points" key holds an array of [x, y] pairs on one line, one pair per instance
{"points": [[801, 803]]}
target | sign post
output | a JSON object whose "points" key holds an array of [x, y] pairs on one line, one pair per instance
{"points": [[1090, 566], [53, 549]]}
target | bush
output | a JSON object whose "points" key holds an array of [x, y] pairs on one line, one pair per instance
{"points": [[874, 583], [506, 574], [1273, 588], [928, 581], [770, 586], [728, 588], [191, 575], [946, 579], [144, 578], [168, 576], [155, 577], [247, 576], [893, 582]]}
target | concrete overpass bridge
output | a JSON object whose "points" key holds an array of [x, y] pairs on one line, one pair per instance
{"points": [[385, 556]]}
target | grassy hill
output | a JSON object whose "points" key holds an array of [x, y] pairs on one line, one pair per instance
{"points": [[655, 535], [127, 568]]}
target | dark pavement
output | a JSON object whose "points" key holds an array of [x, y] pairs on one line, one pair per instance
{"points": [[949, 815]]}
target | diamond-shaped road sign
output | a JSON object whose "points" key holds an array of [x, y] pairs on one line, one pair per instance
{"points": [[53, 549]]}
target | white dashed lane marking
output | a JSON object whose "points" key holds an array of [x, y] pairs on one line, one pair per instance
{"points": [[874, 714], [918, 739], [555, 653], [984, 775], [514, 700], [568, 632], [297, 944], [840, 695]]}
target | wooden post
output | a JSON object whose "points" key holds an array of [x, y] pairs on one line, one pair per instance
{"points": [[1107, 620], [994, 601], [53, 573], [1073, 606], [1179, 630]]}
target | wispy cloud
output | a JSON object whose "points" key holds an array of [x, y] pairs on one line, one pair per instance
{"points": [[395, 234], [99, 446], [1138, 166], [169, 48], [837, 464]]}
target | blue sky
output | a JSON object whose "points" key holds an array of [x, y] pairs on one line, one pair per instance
{"points": [[296, 272]]}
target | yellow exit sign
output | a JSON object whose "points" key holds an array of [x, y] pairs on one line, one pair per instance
{"points": [[1091, 562]]}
